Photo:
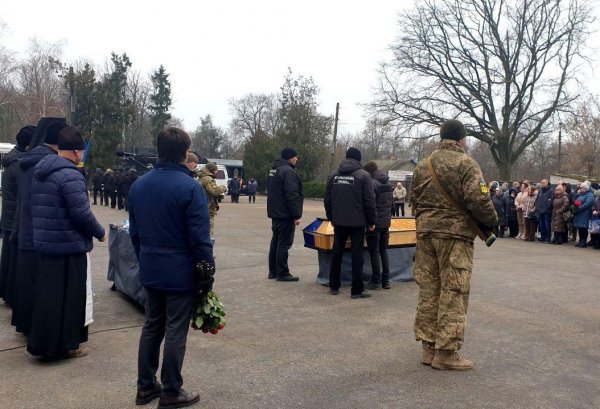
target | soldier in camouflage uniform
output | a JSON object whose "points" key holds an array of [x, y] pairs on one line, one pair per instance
{"points": [[444, 254], [213, 191]]}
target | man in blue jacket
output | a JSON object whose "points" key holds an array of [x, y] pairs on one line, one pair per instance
{"points": [[63, 228], [170, 231]]}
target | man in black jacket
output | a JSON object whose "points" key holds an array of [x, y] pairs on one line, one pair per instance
{"points": [[284, 208], [350, 206]]}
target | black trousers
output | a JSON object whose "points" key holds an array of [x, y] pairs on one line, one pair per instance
{"points": [[340, 236], [251, 197], [583, 234], [168, 317], [106, 195], [281, 242], [513, 227], [113, 199], [398, 207], [377, 242], [96, 192]]}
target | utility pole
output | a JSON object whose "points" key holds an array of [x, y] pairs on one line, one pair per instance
{"points": [[560, 147], [335, 125]]}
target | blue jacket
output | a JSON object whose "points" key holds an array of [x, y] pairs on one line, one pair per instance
{"points": [[234, 186], [252, 186], [169, 227], [27, 160], [583, 214], [63, 222]]}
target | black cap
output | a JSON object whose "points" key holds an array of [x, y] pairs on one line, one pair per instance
{"points": [[52, 133], [353, 153], [39, 138], [453, 129], [288, 153], [24, 136], [70, 139]]}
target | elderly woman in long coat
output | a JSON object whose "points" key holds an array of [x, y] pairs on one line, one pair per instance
{"points": [[559, 206]]}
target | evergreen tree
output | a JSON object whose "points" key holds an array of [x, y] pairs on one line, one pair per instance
{"points": [[160, 100]]}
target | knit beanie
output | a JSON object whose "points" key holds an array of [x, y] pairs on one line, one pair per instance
{"points": [[353, 153], [24, 136], [52, 133], [371, 167], [453, 129], [70, 139], [288, 153]]}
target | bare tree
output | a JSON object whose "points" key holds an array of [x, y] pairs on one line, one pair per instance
{"points": [[499, 65], [38, 81], [253, 112], [583, 148]]}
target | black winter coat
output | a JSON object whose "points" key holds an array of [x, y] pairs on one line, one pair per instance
{"points": [[27, 161], [384, 194], [350, 197], [10, 182], [97, 181], [63, 222], [500, 206], [285, 192]]}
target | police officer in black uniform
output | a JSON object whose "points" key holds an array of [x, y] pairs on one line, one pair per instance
{"points": [[284, 207], [351, 206]]}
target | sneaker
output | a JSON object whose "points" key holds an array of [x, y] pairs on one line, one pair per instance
{"points": [[78, 353], [182, 400], [364, 294], [450, 360], [288, 277], [144, 397]]}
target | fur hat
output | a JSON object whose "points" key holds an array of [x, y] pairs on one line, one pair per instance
{"points": [[24, 136], [585, 185], [52, 133], [453, 129], [371, 167], [288, 153], [211, 167], [353, 153], [70, 139]]}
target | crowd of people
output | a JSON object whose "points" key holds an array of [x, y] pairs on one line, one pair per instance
{"points": [[112, 186], [548, 214], [48, 227]]}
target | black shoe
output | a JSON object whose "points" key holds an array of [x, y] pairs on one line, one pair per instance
{"points": [[581, 244], [374, 286], [182, 400], [364, 294], [272, 276], [385, 285], [144, 397], [288, 277], [334, 292]]}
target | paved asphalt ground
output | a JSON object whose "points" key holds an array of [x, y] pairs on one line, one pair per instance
{"points": [[533, 332]]}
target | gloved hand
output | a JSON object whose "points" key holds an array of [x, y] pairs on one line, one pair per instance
{"points": [[205, 287]]}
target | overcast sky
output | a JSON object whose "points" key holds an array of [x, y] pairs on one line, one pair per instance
{"points": [[222, 49]]}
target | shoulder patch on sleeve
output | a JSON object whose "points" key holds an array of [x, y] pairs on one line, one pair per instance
{"points": [[483, 187]]}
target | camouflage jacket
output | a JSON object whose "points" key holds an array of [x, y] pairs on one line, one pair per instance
{"points": [[213, 191], [461, 176]]}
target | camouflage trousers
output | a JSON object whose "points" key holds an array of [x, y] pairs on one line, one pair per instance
{"points": [[212, 226], [442, 270]]}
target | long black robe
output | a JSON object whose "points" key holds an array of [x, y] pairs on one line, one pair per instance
{"points": [[57, 325]]}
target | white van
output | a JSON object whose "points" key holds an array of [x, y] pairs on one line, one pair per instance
{"points": [[221, 178], [4, 149]]}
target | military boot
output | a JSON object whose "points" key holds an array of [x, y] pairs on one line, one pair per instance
{"points": [[450, 360], [428, 353]]}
